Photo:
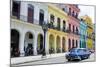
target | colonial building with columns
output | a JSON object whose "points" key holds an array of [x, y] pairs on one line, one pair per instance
{"points": [[74, 37], [26, 30], [57, 33], [72, 11]]}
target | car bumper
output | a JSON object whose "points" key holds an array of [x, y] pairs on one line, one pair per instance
{"points": [[73, 57]]}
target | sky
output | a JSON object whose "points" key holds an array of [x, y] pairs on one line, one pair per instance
{"points": [[87, 10]]}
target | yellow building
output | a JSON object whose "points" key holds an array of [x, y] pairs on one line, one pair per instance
{"points": [[89, 32], [57, 35]]}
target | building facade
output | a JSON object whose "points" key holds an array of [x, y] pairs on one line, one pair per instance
{"points": [[89, 23], [73, 36], [83, 33], [26, 30], [65, 30], [57, 35]]}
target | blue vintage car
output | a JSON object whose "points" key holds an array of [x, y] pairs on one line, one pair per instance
{"points": [[77, 53]]}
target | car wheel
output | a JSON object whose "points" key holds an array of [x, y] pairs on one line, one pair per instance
{"points": [[88, 57], [69, 59]]}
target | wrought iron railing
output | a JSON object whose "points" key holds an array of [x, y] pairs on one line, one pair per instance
{"points": [[24, 18]]}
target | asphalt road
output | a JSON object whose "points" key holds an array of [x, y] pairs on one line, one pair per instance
{"points": [[56, 60]]}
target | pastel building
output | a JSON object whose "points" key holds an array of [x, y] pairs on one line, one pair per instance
{"points": [[83, 33], [73, 25], [26, 30], [57, 34], [89, 41]]}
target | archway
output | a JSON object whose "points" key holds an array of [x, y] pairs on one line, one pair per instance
{"points": [[76, 43], [69, 44], [58, 44], [28, 46], [15, 43], [73, 43], [63, 44], [51, 44], [40, 44]]}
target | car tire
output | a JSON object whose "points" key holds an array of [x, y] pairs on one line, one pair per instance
{"points": [[69, 59]]}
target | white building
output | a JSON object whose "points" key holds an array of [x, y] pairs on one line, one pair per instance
{"points": [[26, 30]]}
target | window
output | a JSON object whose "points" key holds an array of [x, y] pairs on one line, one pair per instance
{"points": [[41, 17], [73, 14], [73, 43], [69, 27], [16, 9], [58, 23], [76, 15], [73, 29], [64, 25], [30, 13], [63, 9], [69, 11], [76, 30], [52, 18]]}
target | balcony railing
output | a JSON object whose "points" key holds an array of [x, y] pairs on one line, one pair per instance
{"points": [[26, 18], [90, 37], [90, 27]]}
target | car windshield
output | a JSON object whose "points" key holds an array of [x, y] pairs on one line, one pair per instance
{"points": [[72, 50], [79, 50]]}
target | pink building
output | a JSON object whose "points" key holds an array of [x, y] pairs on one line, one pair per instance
{"points": [[73, 26]]}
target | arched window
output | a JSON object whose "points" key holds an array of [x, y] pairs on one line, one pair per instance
{"points": [[30, 13], [41, 17]]}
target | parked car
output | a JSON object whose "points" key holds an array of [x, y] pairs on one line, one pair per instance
{"points": [[77, 53]]}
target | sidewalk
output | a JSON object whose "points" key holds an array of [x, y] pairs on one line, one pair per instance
{"points": [[20, 60]]}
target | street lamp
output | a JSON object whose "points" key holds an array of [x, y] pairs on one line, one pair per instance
{"points": [[45, 29]]}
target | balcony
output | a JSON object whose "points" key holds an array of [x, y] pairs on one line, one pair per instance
{"points": [[90, 27], [89, 37], [68, 31], [27, 19], [76, 33]]}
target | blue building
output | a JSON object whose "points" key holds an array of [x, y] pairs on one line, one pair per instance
{"points": [[83, 33]]}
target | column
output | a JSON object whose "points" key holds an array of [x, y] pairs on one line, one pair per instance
{"points": [[23, 11], [61, 44], [66, 43], [11, 6], [35, 44], [47, 43], [55, 44], [21, 43]]}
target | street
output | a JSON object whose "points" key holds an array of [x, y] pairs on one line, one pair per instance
{"points": [[53, 61]]}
